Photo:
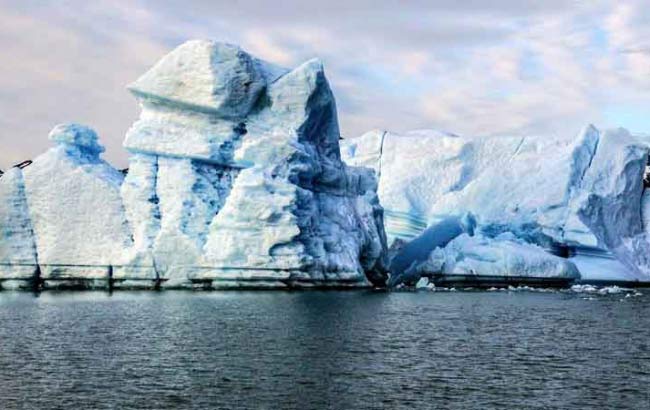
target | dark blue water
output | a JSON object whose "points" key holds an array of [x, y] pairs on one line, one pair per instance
{"points": [[324, 350]]}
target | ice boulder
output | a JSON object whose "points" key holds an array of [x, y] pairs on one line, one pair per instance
{"points": [[236, 177]]}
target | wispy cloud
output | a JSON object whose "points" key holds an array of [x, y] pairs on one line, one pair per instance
{"points": [[497, 67]]}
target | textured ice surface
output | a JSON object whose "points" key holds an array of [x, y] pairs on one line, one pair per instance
{"points": [[17, 249], [235, 177], [520, 184], [504, 255], [583, 192], [611, 204]]}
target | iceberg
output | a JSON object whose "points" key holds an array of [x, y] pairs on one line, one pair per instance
{"points": [[235, 179], [579, 197]]}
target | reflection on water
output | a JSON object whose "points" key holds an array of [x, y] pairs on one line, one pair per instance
{"points": [[324, 350]]}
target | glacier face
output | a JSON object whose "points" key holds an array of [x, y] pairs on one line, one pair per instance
{"points": [[235, 179], [546, 191], [523, 184]]}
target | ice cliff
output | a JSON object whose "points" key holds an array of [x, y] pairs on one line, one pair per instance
{"points": [[577, 197], [235, 179]]}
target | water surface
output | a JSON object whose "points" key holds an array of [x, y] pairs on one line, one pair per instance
{"points": [[324, 350]]}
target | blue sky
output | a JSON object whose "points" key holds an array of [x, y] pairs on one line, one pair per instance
{"points": [[468, 67]]}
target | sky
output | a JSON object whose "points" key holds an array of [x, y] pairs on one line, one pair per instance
{"points": [[471, 67]]}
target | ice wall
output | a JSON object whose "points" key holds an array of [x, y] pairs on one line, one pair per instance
{"points": [[535, 188], [508, 183]]}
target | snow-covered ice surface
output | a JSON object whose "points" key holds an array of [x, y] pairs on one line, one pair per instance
{"points": [[580, 194], [235, 179]]}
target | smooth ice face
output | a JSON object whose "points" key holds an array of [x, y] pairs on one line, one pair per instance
{"points": [[520, 184]]}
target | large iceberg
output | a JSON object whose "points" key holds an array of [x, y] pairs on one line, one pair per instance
{"points": [[235, 179], [578, 197]]}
